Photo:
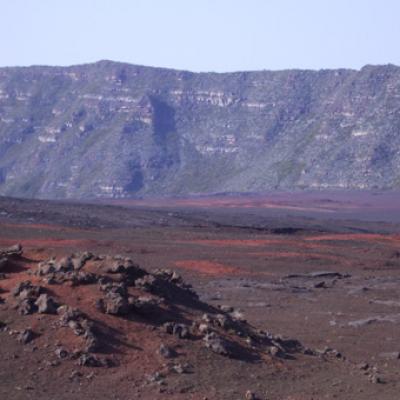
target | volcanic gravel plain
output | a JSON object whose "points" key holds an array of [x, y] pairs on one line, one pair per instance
{"points": [[278, 297]]}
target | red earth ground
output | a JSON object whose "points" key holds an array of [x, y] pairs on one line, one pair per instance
{"points": [[258, 261]]}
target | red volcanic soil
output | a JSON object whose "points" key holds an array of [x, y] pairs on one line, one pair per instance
{"points": [[236, 242], [207, 267], [50, 243], [368, 237], [127, 343], [329, 283]]}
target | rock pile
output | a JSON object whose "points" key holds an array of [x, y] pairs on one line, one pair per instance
{"points": [[67, 269], [122, 289]]}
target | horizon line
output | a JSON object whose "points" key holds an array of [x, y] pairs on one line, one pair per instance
{"points": [[105, 61]]}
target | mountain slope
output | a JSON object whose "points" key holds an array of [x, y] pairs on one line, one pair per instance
{"points": [[113, 130]]}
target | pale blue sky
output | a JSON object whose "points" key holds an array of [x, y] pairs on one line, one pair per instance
{"points": [[202, 35]]}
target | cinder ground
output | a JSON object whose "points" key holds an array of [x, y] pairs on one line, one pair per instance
{"points": [[264, 261]]}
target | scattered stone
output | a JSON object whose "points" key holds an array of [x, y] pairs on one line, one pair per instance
{"points": [[46, 267], [238, 316], [64, 265], [180, 369], [327, 351], [216, 344], [90, 376], [116, 268], [89, 360], [376, 379], [157, 377], [167, 352], [170, 276], [116, 304], [27, 306], [91, 343], [319, 274], [26, 336], [32, 293], [274, 351], [82, 278], [46, 305], [61, 353], [67, 314], [67, 269], [203, 328], [76, 327], [146, 283], [143, 304], [80, 261], [108, 285], [249, 395], [395, 355], [219, 320], [16, 249], [75, 375], [20, 287], [180, 330], [127, 268], [363, 366], [53, 363], [309, 352], [225, 308]]}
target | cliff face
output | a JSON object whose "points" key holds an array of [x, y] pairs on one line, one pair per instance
{"points": [[112, 130]]}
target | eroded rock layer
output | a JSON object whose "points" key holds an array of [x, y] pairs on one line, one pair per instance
{"points": [[116, 130]]}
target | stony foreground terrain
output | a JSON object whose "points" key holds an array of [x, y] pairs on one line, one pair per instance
{"points": [[110, 302], [114, 130]]}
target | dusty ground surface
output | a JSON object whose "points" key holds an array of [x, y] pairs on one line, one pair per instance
{"points": [[330, 280]]}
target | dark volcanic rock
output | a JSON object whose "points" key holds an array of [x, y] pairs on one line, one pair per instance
{"points": [[27, 295], [167, 352], [64, 265], [80, 261], [216, 344], [46, 305], [27, 306], [180, 330], [15, 250], [68, 314], [179, 132], [3, 263], [115, 303], [61, 353], [89, 360], [26, 336]]}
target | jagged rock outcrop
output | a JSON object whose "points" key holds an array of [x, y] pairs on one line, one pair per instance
{"points": [[116, 130]]}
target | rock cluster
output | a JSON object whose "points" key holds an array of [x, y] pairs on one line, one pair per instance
{"points": [[31, 299], [67, 269], [122, 289], [7, 256]]}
